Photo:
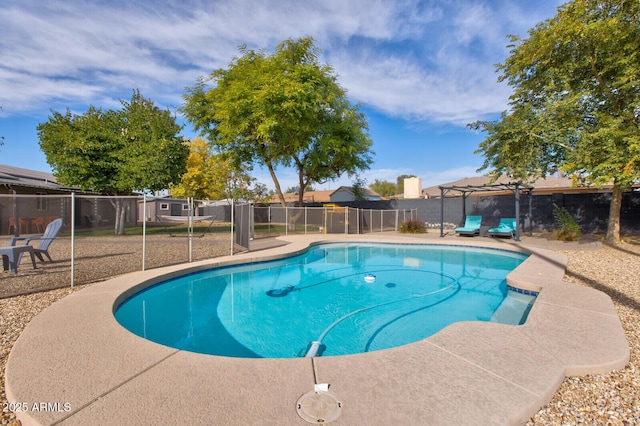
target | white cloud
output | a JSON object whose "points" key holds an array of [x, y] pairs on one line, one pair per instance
{"points": [[458, 91], [111, 48], [83, 52], [426, 61], [448, 76]]}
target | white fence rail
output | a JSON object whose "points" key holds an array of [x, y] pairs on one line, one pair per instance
{"points": [[328, 220]]}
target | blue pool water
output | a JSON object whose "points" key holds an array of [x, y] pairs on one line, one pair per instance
{"points": [[347, 298]]}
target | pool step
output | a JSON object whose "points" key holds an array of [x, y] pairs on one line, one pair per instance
{"points": [[514, 309]]}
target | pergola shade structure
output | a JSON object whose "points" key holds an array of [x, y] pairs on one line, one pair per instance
{"points": [[517, 188]]}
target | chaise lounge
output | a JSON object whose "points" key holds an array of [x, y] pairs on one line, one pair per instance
{"points": [[471, 226], [506, 228]]}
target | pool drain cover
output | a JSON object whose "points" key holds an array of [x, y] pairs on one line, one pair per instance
{"points": [[319, 407]]}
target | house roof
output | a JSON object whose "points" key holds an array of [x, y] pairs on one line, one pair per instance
{"points": [[309, 197], [318, 196], [366, 191], [550, 184], [17, 177]]}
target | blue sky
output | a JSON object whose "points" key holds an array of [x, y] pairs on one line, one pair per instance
{"points": [[421, 70]]}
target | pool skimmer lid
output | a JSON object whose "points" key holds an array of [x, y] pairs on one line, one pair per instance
{"points": [[320, 405]]}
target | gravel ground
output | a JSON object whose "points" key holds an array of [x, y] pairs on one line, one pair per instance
{"points": [[98, 258], [604, 399], [614, 398]]}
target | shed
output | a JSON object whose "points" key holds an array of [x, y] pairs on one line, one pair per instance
{"points": [[164, 206]]}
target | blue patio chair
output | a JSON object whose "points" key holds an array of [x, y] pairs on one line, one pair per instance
{"points": [[471, 226], [506, 228]]}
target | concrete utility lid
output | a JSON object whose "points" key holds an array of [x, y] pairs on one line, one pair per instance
{"points": [[319, 407]]}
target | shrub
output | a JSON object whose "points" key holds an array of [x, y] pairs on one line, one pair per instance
{"points": [[567, 229], [412, 227]]}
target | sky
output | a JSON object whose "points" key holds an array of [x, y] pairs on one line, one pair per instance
{"points": [[420, 71]]}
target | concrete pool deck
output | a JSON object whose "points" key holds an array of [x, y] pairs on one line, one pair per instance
{"points": [[74, 364]]}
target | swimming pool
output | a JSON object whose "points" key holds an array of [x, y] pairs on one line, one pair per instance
{"points": [[333, 299]]}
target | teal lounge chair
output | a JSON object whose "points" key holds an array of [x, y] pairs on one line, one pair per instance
{"points": [[506, 228], [471, 226]]}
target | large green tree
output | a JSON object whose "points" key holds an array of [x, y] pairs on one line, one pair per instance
{"points": [[115, 152], [576, 100], [282, 110], [383, 187]]}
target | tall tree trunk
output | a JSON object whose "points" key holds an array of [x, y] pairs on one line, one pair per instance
{"points": [[613, 227], [297, 213], [301, 187], [277, 185], [290, 224], [119, 205], [121, 221]]}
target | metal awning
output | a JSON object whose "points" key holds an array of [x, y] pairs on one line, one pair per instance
{"points": [[516, 187]]}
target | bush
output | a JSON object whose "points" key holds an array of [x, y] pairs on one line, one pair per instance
{"points": [[567, 229], [412, 227]]}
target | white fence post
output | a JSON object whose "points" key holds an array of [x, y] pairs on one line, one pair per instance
{"points": [[73, 228], [233, 206], [144, 229], [190, 227], [324, 219], [346, 220]]}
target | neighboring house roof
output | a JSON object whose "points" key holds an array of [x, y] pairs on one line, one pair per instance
{"points": [[14, 178], [321, 196], [548, 185], [366, 192], [309, 197]]}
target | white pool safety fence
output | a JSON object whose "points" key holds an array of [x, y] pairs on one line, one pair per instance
{"points": [[89, 223]]}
